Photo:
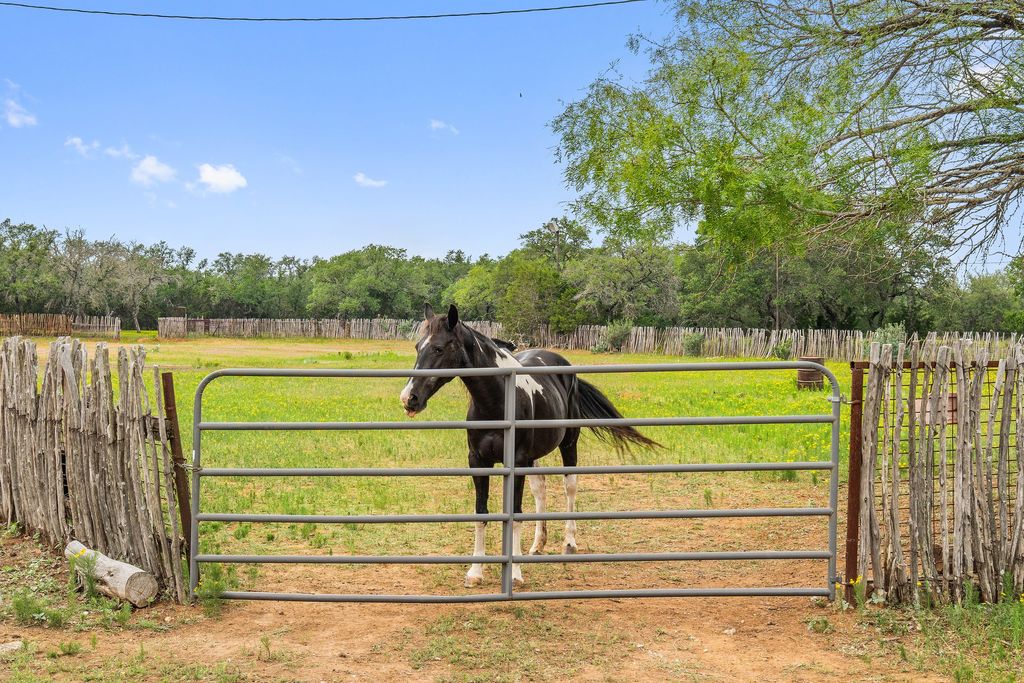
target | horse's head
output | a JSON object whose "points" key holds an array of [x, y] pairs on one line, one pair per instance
{"points": [[442, 344]]}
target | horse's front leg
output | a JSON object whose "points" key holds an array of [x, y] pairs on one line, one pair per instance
{"points": [[517, 527], [475, 575], [538, 486]]}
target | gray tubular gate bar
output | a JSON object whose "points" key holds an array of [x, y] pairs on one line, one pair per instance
{"points": [[509, 424]]}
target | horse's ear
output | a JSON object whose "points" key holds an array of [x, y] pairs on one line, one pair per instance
{"points": [[428, 311], [453, 317], [504, 344]]}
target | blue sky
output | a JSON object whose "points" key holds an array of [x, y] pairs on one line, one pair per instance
{"points": [[300, 139]]}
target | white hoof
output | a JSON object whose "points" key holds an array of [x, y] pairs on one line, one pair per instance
{"points": [[518, 583], [536, 550], [570, 549], [473, 581]]}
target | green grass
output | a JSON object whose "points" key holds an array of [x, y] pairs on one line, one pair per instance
{"points": [[978, 642], [969, 642]]}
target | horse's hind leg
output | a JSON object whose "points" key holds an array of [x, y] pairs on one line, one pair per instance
{"points": [[538, 486], [568, 450]]}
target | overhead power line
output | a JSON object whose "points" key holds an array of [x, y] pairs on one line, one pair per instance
{"points": [[397, 17]]}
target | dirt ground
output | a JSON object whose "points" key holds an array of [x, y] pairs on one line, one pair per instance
{"points": [[698, 639], [706, 639]]}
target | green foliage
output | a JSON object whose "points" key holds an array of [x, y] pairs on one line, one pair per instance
{"points": [[633, 282], [380, 281], [558, 241], [820, 625], [693, 344], [83, 572], [767, 126], [27, 281], [555, 279], [977, 641], [214, 582], [30, 609], [27, 607], [893, 334], [783, 350], [617, 333]]}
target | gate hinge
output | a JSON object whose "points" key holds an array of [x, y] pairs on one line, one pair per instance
{"points": [[841, 399]]}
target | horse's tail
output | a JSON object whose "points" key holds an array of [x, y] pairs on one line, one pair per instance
{"points": [[591, 403]]}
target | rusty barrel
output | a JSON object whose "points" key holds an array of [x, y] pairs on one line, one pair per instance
{"points": [[807, 378]]}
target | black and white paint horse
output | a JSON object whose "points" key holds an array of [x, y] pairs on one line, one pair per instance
{"points": [[447, 343]]}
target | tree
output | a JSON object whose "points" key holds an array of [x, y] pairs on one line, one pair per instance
{"points": [[28, 283], [476, 293], [636, 282], [559, 240], [140, 270], [988, 302], [73, 255], [771, 122]]}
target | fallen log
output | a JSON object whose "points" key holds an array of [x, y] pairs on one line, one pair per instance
{"points": [[114, 578]]}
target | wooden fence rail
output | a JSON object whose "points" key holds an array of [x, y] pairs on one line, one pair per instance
{"points": [[839, 345], [941, 495], [81, 459], [96, 326], [59, 325]]}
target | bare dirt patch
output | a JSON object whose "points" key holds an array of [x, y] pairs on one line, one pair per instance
{"points": [[726, 639]]}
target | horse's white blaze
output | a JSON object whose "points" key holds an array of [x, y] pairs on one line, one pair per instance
{"points": [[538, 486], [406, 392], [476, 571], [517, 549], [525, 382], [570, 506]]}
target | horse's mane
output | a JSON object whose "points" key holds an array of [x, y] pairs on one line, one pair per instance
{"points": [[439, 324]]}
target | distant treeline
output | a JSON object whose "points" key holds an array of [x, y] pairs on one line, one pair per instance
{"points": [[557, 278]]}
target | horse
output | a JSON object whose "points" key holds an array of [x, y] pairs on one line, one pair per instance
{"points": [[446, 342]]}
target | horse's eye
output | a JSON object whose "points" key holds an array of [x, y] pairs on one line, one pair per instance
{"points": [[438, 350]]}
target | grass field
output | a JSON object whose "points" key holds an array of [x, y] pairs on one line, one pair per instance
{"points": [[763, 640]]}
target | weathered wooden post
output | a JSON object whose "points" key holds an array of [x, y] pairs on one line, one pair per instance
{"points": [[853, 479], [178, 458]]}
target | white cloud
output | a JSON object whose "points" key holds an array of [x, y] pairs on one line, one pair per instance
{"points": [[363, 180], [122, 152], [221, 179], [17, 116], [84, 148], [438, 124], [151, 170]]}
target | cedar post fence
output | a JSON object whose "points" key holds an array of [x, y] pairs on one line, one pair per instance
{"points": [[935, 454], [835, 345], [85, 454]]}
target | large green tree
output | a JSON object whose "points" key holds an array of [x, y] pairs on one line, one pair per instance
{"points": [[767, 122], [28, 279]]}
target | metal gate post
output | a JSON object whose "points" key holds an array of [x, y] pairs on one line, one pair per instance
{"points": [[197, 438], [509, 481], [833, 488]]}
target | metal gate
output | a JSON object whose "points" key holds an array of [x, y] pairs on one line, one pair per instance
{"points": [[509, 424]]}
